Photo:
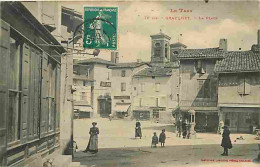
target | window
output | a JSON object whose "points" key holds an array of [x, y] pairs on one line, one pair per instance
{"points": [[157, 102], [157, 87], [84, 83], [123, 73], [140, 102], [200, 66], [83, 96], [203, 88], [142, 87], [166, 51], [244, 86], [14, 112], [123, 86]]}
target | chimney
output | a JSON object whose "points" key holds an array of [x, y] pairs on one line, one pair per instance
{"points": [[223, 44], [114, 57]]}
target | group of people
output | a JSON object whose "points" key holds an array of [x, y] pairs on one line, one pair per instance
{"points": [[94, 131], [183, 128], [155, 139]]}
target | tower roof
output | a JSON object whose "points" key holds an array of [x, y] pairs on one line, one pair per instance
{"points": [[178, 44], [161, 34]]}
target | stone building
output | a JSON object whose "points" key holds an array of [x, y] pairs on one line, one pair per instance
{"points": [[121, 88], [32, 108], [100, 74], [83, 86], [198, 84], [155, 88], [239, 89]]}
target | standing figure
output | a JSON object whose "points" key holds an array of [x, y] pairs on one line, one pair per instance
{"points": [[179, 127], [162, 138], [184, 128], [138, 131], [93, 140], [154, 140], [226, 142]]}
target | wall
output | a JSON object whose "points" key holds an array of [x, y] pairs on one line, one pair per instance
{"points": [[189, 85], [167, 93], [100, 73], [228, 90]]}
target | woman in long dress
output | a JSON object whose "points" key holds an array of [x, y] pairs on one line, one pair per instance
{"points": [[138, 131], [226, 142], [93, 140]]}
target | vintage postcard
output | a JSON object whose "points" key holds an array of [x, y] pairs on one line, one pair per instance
{"points": [[129, 83]]}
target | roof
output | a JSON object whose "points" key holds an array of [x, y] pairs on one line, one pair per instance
{"points": [[95, 60], [201, 53], [158, 69], [175, 64], [239, 61], [178, 44], [128, 65], [161, 34]]}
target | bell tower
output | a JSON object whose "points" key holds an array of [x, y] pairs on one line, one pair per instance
{"points": [[160, 49]]}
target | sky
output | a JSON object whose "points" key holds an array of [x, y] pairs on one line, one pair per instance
{"points": [[238, 22]]}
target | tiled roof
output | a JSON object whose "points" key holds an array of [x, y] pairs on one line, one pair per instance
{"points": [[178, 44], [175, 64], [155, 71], [128, 65], [239, 61], [201, 53], [95, 60]]}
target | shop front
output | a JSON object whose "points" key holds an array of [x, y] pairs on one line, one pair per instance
{"points": [[121, 110], [240, 119]]}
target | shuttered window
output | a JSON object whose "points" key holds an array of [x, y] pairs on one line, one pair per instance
{"points": [[14, 91], [244, 86], [204, 90], [123, 86]]}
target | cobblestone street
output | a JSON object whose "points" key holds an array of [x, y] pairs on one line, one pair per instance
{"points": [[118, 147]]}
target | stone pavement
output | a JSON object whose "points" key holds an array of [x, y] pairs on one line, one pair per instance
{"points": [[118, 147]]}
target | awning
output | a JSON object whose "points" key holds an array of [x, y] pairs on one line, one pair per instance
{"points": [[121, 108], [83, 109]]}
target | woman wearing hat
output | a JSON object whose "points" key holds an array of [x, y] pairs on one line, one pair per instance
{"points": [[226, 142], [93, 140], [138, 131]]}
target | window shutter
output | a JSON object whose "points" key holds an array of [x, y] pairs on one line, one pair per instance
{"points": [[241, 85], [44, 94], [25, 92], [4, 61], [37, 94], [58, 97], [247, 86]]}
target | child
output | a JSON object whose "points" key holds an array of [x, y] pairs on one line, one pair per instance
{"points": [[154, 140], [162, 138]]}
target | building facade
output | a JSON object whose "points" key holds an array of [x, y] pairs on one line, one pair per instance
{"points": [[100, 73], [239, 89], [198, 84], [121, 88], [30, 87]]}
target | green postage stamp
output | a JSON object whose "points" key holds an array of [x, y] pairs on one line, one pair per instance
{"points": [[100, 28]]}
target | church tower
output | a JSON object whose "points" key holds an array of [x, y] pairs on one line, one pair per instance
{"points": [[160, 52]]}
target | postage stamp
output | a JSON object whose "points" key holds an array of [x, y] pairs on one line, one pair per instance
{"points": [[100, 27]]}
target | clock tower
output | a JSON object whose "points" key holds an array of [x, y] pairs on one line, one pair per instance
{"points": [[160, 49]]}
